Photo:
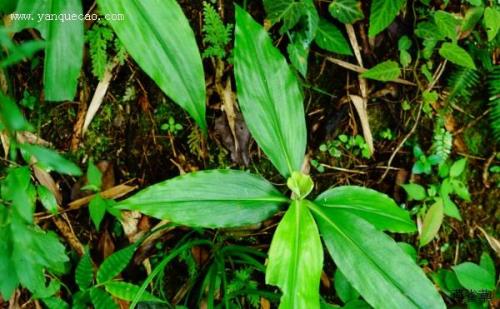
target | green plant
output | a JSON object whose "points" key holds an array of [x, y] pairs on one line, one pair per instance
{"points": [[468, 282], [351, 219], [356, 144], [101, 38], [171, 126], [216, 35], [387, 134], [98, 288], [452, 181], [440, 150], [29, 256], [302, 24]]}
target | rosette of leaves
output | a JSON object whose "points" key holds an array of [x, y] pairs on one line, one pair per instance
{"points": [[351, 220]]}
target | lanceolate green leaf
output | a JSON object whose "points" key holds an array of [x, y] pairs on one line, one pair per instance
{"points": [[158, 36], [115, 264], [432, 222], [382, 13], [374, 264], [84, 273], [269, 96], [216, 198], [127, 291], [375, 207], [296, 258], [329, 37], [64, 48], [456, 54], [52, 160]]}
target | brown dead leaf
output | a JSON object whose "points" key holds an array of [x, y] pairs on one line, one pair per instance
{"points": [[492, 241], [223, 133], [325, 281], [360, 105], [264, 303], [106, 244], [99, 94]]}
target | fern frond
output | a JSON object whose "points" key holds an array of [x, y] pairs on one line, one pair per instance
{"points": [[442, 142], [99, 37], [494, 101], [462, 84], [216, 35], [195, 140]]}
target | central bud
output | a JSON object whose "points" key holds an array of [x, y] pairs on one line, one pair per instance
{"points": [[300, 184]]}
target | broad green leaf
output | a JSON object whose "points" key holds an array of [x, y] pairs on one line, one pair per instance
{"points": [[448, 24], [288, 11], [344, 289], [19, 189], [114, 264], [474, 277], [374, 264], [432, 222], [457, 55], [450, 208], [385, 71], [415, 191], [382, 13], [47, 198], [269, 96], [212, 198], [346, 11], [491, 22], [296, 258], [101, 300], [52, 160], [127, 291], [84, 273], [331, 39], [94, 177], [458, 168], [375, 207], [64, 48], [157, 35], [97, 210]]}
